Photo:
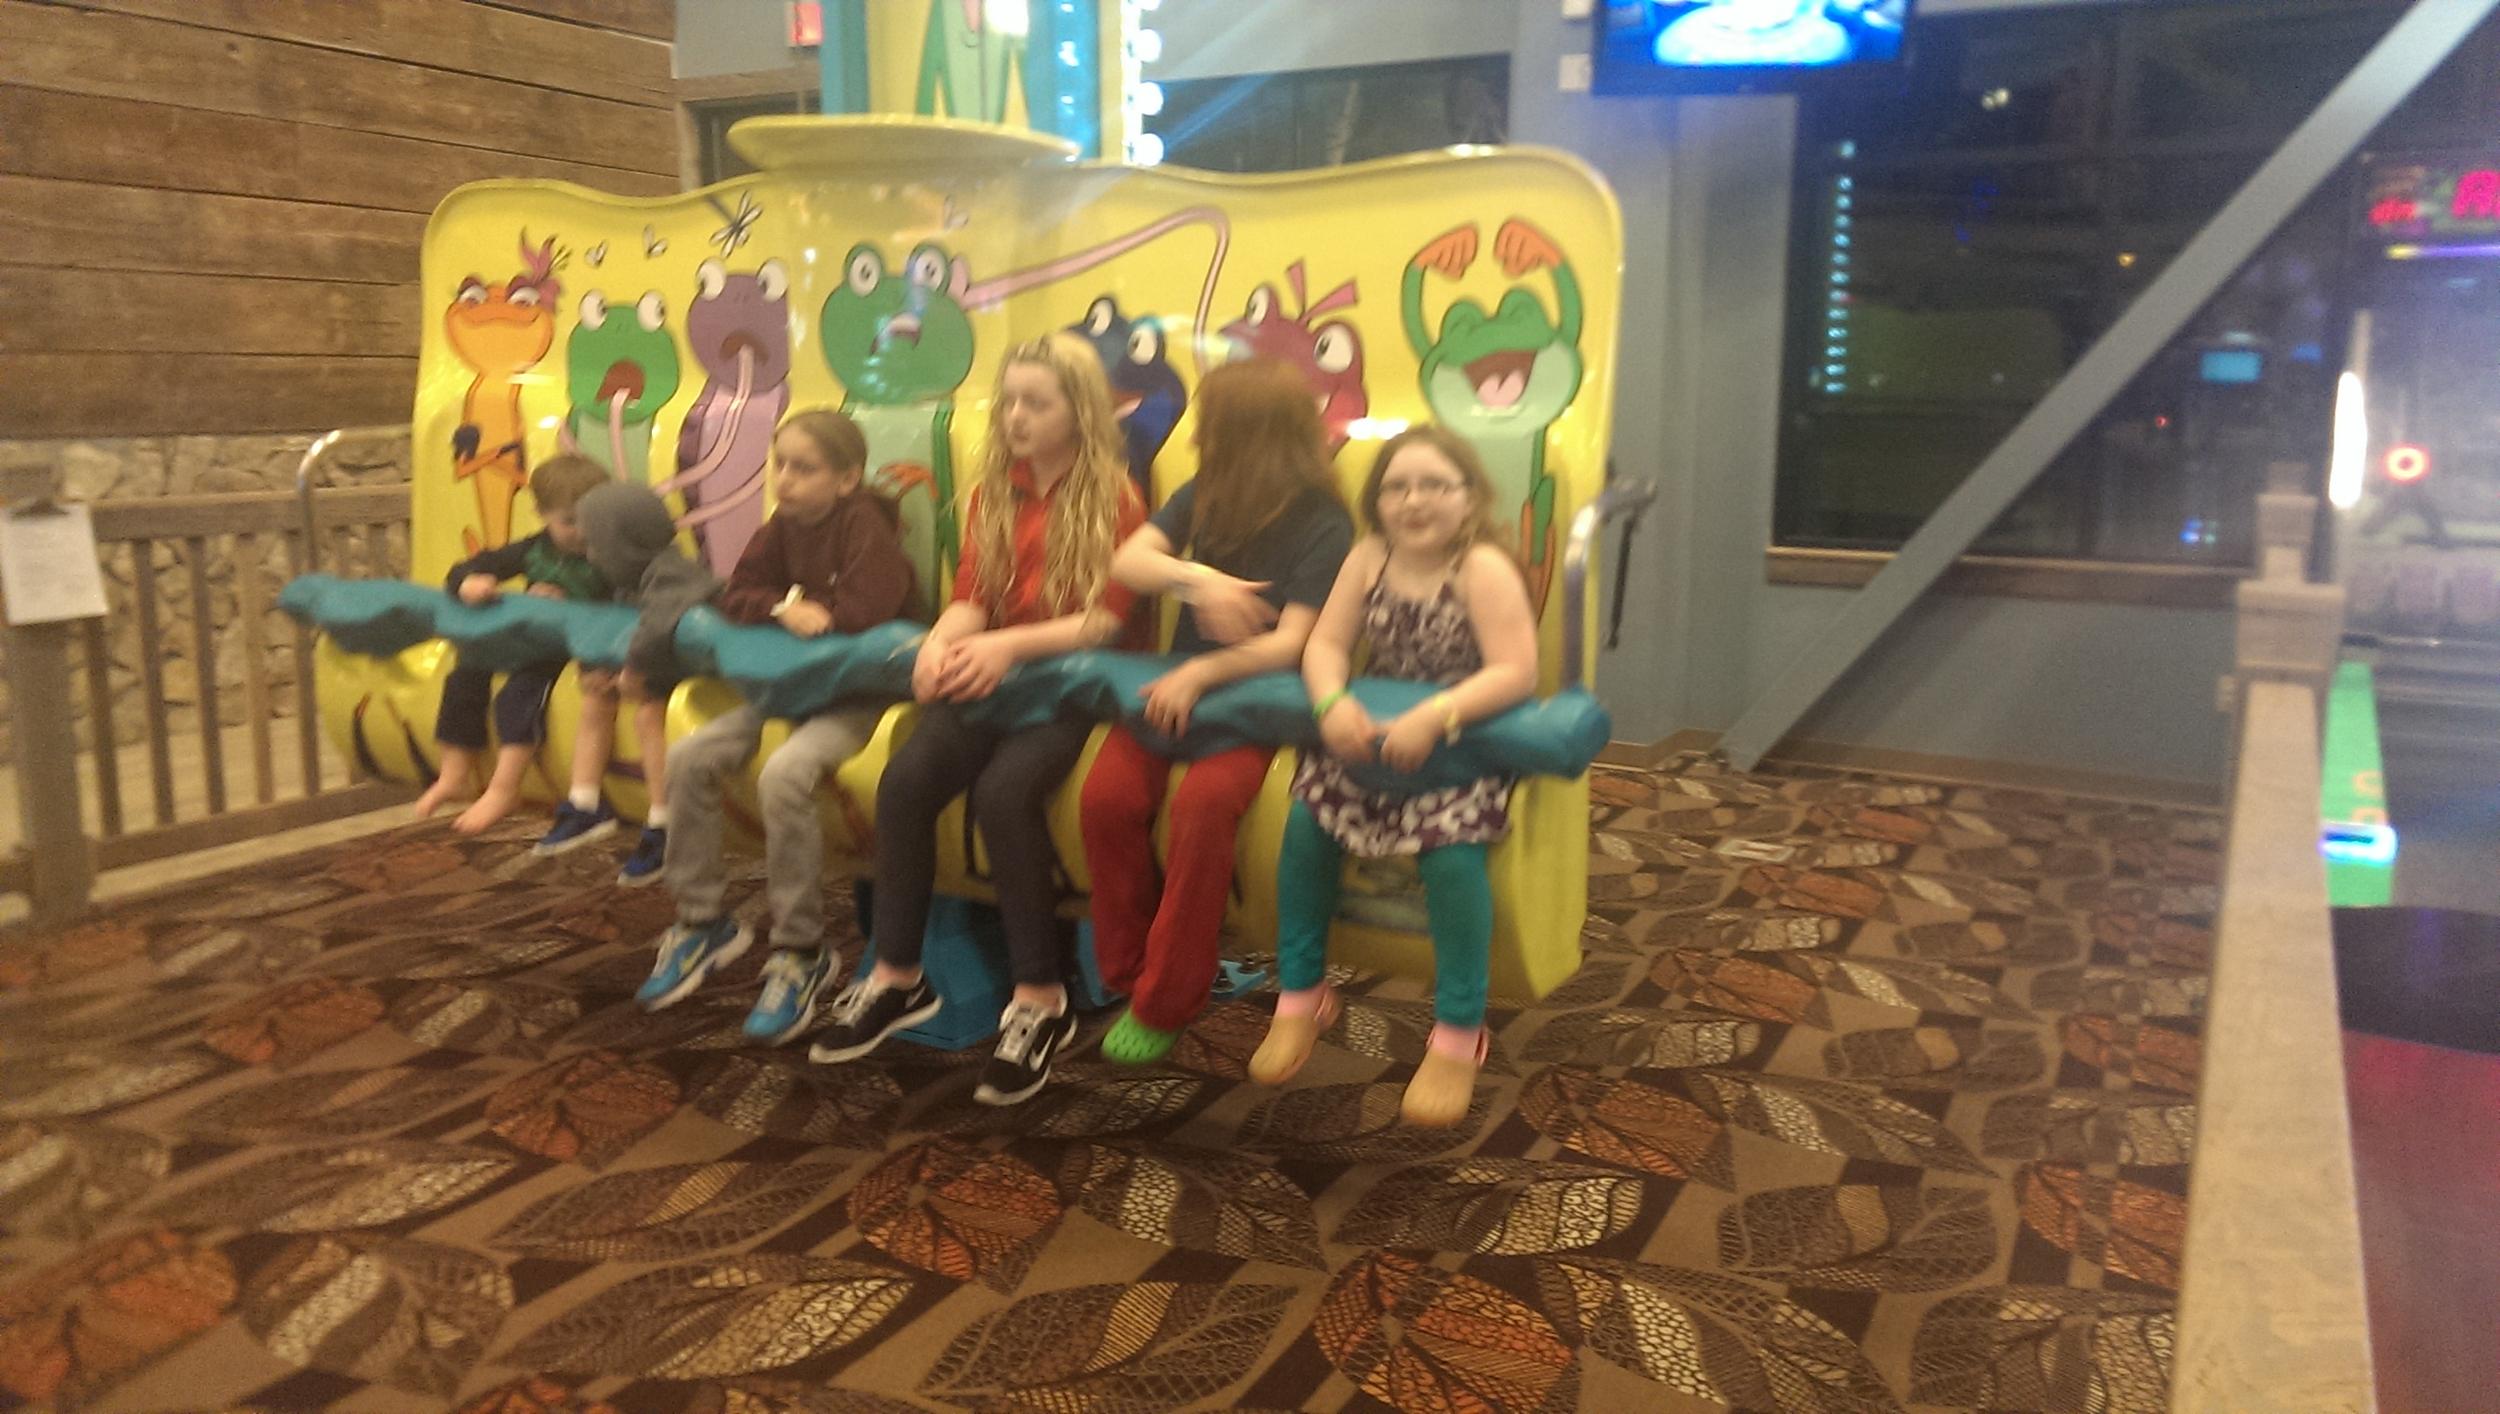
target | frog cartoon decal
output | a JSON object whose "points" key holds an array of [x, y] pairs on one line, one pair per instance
{"points": [[739, 329], [620, 369], [1329, 354], [1145, 388], [1501, 379], [901, 344], [500, 333]]}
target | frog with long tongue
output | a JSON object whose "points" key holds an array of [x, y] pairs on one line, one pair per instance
{"points": [[1500, 380], [739, 329], [620, 368]]}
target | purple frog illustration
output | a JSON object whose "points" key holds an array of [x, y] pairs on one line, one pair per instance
{"points": [[739, 328]]}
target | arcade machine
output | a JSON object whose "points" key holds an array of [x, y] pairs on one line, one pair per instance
{"points": [[2415, 487]]}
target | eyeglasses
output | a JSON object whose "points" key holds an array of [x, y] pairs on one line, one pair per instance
{"points": [[1431, 488]]}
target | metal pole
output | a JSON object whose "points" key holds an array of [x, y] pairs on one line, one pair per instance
{"points": [[2389, 73]]}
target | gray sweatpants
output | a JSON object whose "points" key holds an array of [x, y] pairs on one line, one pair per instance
{"points": [[699, 770]]}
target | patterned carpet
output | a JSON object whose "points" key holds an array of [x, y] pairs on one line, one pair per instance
{"points": [[1870, 1096]]}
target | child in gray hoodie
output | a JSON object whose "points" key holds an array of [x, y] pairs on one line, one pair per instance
{"points": [[631, 540]]}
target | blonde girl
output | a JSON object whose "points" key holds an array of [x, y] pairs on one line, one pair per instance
{"points": [[1052, 503]]}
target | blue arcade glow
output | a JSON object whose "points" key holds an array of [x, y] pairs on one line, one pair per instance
{"points": [[2347, 843]]}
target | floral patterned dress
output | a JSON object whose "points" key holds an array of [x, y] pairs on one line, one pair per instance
{"points": [[1423, 640]]}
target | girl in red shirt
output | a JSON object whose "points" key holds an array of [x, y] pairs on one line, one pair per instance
{"points": [[1053, 501]]}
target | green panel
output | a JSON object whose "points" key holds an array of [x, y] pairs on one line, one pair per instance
{"points": [[2354, 791]]}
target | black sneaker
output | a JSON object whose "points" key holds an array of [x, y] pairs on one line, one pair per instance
{"points": [[867, 1012], [1028, 1039]]}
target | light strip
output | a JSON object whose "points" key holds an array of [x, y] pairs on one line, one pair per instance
{"points": [[2349, 461]]}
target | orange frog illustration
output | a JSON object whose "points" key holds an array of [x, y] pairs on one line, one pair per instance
{"points": [[500, 334]]}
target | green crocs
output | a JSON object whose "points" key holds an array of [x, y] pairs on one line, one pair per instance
{"points": [[1133, 1042]]}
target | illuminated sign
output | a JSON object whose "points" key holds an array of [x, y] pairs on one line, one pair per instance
{"points": [[2406, 465], [2425, 203], [807, 24]]}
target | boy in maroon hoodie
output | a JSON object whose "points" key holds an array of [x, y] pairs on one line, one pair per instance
{"points": [[829, 561]]}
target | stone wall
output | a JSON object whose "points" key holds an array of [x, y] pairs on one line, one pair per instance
{"points": [[106, 470]]}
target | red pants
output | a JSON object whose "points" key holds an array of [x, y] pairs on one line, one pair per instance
{"points": [[1158, 943]]}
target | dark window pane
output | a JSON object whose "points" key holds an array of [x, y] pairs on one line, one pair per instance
{"points": [[1284, 122], [2454, 106], [1228, 125], [1937, 297], [2043, 83], [1968, 286], [713, 120], [2252, 72]]}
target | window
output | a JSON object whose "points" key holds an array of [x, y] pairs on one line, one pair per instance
{"points": [[1320, 118], [715, 160], [1961, 239]]}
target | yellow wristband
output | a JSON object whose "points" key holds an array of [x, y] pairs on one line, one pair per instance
{"points": [[1449, 718]]}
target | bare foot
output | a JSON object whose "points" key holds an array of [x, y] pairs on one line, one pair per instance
{"points": [[490, 807], [436, 797]]}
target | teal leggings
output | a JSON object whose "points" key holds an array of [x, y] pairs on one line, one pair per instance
{"points": [[1458, 899]]}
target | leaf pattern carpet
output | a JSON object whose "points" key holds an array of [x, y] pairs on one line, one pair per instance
{"points": [[1871, 1095]]}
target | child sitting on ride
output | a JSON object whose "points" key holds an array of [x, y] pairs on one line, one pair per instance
{"points": [[1268, 529], [552, 565], [1053, 500], [633, 542], [1437, 601], [829, 561]]}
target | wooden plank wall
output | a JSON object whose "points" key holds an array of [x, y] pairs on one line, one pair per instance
{"points": [[210, 209]]}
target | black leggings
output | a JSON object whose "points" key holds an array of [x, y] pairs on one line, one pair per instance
{"points": [[1010, 777]]}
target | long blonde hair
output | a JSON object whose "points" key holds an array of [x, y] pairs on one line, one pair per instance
{"points": [[1084, 510]]}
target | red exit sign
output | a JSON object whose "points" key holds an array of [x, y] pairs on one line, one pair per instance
{"points": [[807, 24]]}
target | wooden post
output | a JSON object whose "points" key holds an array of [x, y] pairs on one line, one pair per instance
{"points": [[62, 867], [43, 724]]}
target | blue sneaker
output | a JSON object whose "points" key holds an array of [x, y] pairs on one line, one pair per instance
{"points": [[643, 865], [576, 827], [788, 1004], [688, 954]]}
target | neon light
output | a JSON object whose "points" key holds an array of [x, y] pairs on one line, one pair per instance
{"points": [[2484, 251], [2351, 443], [2347, 842], [2478, 196], [2406, 465], [2395, 211]]}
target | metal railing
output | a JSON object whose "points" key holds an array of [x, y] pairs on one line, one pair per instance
{"points": [[223, 558]]}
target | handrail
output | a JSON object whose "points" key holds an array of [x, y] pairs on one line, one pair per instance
{"points": [[304, 468], [1619, 498], [2273, 1313]]}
